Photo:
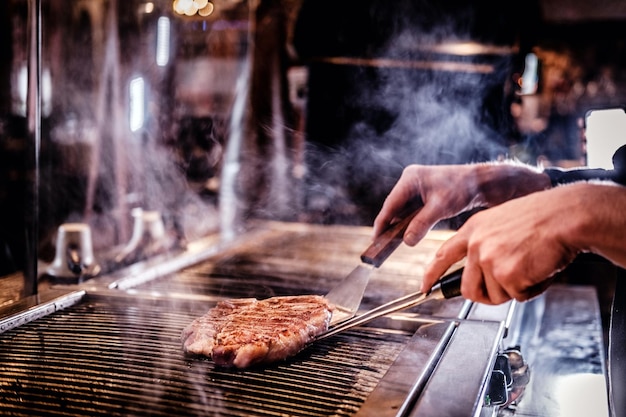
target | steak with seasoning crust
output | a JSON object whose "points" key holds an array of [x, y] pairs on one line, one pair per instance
{"points": [[245, 332]]}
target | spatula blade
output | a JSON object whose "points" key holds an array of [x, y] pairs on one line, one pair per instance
{"points": [[347, 295]]}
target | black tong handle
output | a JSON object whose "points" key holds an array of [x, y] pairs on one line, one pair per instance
{"points": [[449, 285]]}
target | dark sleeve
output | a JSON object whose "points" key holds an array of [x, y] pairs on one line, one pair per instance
{"points": [[617, 174]]}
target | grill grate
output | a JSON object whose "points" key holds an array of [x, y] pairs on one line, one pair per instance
{"points": [[293, 259], [124, 357]]}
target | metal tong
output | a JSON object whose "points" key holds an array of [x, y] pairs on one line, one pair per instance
{"points": [[347, 295], [448, 286]]}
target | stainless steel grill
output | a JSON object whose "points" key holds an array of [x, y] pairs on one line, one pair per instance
{"points": [[295, 258], [122, 357], [111, 345]]}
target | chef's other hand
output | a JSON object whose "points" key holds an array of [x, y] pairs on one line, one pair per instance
{"points": [[513, 250], [444, 191]]}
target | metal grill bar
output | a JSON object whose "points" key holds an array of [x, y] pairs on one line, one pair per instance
{"points": [[293, 259], [125, 358]]}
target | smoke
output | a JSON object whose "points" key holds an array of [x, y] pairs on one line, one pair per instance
{"points": [[397, 118], [401, 99], [160, 183]]}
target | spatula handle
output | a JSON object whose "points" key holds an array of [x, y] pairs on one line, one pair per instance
{"points": [[387, 242]]}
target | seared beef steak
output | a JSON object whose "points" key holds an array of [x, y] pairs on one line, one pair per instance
{"points": [[247, 331]]}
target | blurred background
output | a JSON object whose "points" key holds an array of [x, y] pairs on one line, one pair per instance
{"points": [[215, 112]]}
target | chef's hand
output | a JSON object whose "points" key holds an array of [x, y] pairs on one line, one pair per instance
{"points": [[444, 191], [513, 250]]}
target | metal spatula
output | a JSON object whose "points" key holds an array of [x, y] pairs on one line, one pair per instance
{"points": [[347, 296], [447, 287]]}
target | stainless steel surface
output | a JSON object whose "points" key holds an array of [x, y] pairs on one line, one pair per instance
{"points": [[74, 256], [34, 97], [560, 335], [347, 295], [461, 363], [34, 307], [148, 239], [562, 341], [457, 362], [617, 348]]}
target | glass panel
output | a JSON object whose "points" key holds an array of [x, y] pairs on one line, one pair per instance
{"points": [[136, 102]]}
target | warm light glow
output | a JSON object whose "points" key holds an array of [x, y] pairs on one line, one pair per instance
{"points": [[206, 10], [177, 8], [191, 10], [468, 48], [149, 7], [185, 4], [202, 8]]}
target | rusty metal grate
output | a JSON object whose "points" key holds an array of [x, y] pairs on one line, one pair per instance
{"points": [[104, 357]]}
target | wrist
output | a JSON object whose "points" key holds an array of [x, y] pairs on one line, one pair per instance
{"points": [[500, 182], [597, 226], [555, 175]]}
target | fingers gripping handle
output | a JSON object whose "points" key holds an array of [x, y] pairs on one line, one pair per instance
{"points": [[386, 243], [449, 286]]}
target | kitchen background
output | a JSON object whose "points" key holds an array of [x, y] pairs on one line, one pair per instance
{"points": [[279, 109]]}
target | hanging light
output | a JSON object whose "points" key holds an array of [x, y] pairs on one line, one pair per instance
{"points": [[207, 10], [202, 8]]}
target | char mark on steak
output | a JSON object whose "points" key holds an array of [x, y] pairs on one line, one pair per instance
{"points": [[245, 332]]}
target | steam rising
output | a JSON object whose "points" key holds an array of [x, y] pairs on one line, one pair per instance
{"points": [[109, 151], [412, 95], [394, 98]]}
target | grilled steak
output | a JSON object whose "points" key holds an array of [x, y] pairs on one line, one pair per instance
{"points": [[247, 331]]}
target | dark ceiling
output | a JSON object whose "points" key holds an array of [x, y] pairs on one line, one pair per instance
{"points": [[582, 10]]}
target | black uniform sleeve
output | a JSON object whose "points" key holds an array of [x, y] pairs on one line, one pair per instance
{"points": [[617, 174]]}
